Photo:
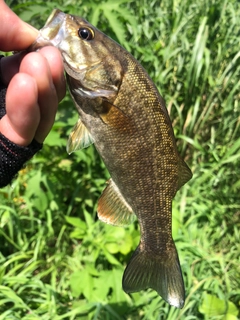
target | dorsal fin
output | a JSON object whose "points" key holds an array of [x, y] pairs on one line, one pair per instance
{"points": [[184, 173], [79, 137], [113, 208]]}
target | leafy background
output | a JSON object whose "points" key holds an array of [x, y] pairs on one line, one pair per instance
{"points": [[57, 261]]}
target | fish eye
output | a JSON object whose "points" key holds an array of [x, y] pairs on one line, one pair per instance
{"points": [[86, 33]]}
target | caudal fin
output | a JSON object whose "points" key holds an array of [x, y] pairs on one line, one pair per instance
{"points": [[161, 273]]}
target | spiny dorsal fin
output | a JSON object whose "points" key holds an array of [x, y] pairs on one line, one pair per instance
{"points": [[113, 208], [184, 173], [79, 138]]}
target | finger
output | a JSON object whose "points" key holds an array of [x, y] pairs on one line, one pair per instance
{"points": [[14, 33], [36, 65], [10, 66], [55, 62], [23, 114]]}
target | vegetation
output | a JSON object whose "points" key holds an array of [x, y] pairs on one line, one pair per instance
{"points": [[57, 261]]}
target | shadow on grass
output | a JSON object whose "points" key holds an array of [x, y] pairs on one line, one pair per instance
{"points": [[117, 311]]}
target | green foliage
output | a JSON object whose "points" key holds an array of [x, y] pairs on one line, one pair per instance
{"points": [[57, 260], [213, 306]]}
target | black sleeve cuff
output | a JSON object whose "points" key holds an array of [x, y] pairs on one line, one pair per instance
{"points": [[13, 157]]}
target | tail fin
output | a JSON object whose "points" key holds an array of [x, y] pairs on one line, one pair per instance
{"points": [[161, 273]]}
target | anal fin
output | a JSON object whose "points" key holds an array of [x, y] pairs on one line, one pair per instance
{"points": [[113, 208]]}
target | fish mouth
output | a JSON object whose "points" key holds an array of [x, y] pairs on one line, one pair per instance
{"points": [[55, 18], [52, 33], [54, 27]]}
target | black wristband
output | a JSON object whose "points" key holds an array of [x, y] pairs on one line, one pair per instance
{"points": [[13, 157]]}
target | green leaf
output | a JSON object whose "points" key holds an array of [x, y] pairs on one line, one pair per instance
{"points": [[110, 257], [54, 140], [81, 282], [101, 286], [213, 306], [76, 222], [115, 282]]}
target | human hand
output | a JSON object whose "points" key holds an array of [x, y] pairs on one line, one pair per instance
{"points": [[35, 82]]}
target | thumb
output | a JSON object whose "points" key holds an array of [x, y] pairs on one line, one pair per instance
{"points": [[14, 33]]}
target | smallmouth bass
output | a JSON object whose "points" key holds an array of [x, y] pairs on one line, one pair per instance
{"points": [[123, 114]]}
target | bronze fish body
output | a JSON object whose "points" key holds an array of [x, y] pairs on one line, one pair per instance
{"points": [[122, 112]]}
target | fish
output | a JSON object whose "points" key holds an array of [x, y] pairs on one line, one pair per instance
{"points": [[122, 112]]}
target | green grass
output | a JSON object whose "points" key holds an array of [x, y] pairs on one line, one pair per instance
{"points": [[57, 261]]}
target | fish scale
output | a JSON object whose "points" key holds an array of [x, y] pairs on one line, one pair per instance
{"points": [[123, 114]]}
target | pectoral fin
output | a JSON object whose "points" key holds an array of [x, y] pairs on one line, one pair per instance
{"points": [[112, 115], [79, 138], [113, 208]]}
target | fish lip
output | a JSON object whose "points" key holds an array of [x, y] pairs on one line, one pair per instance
{"points": [[55, 19], [55, 13], [55, 24]]}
